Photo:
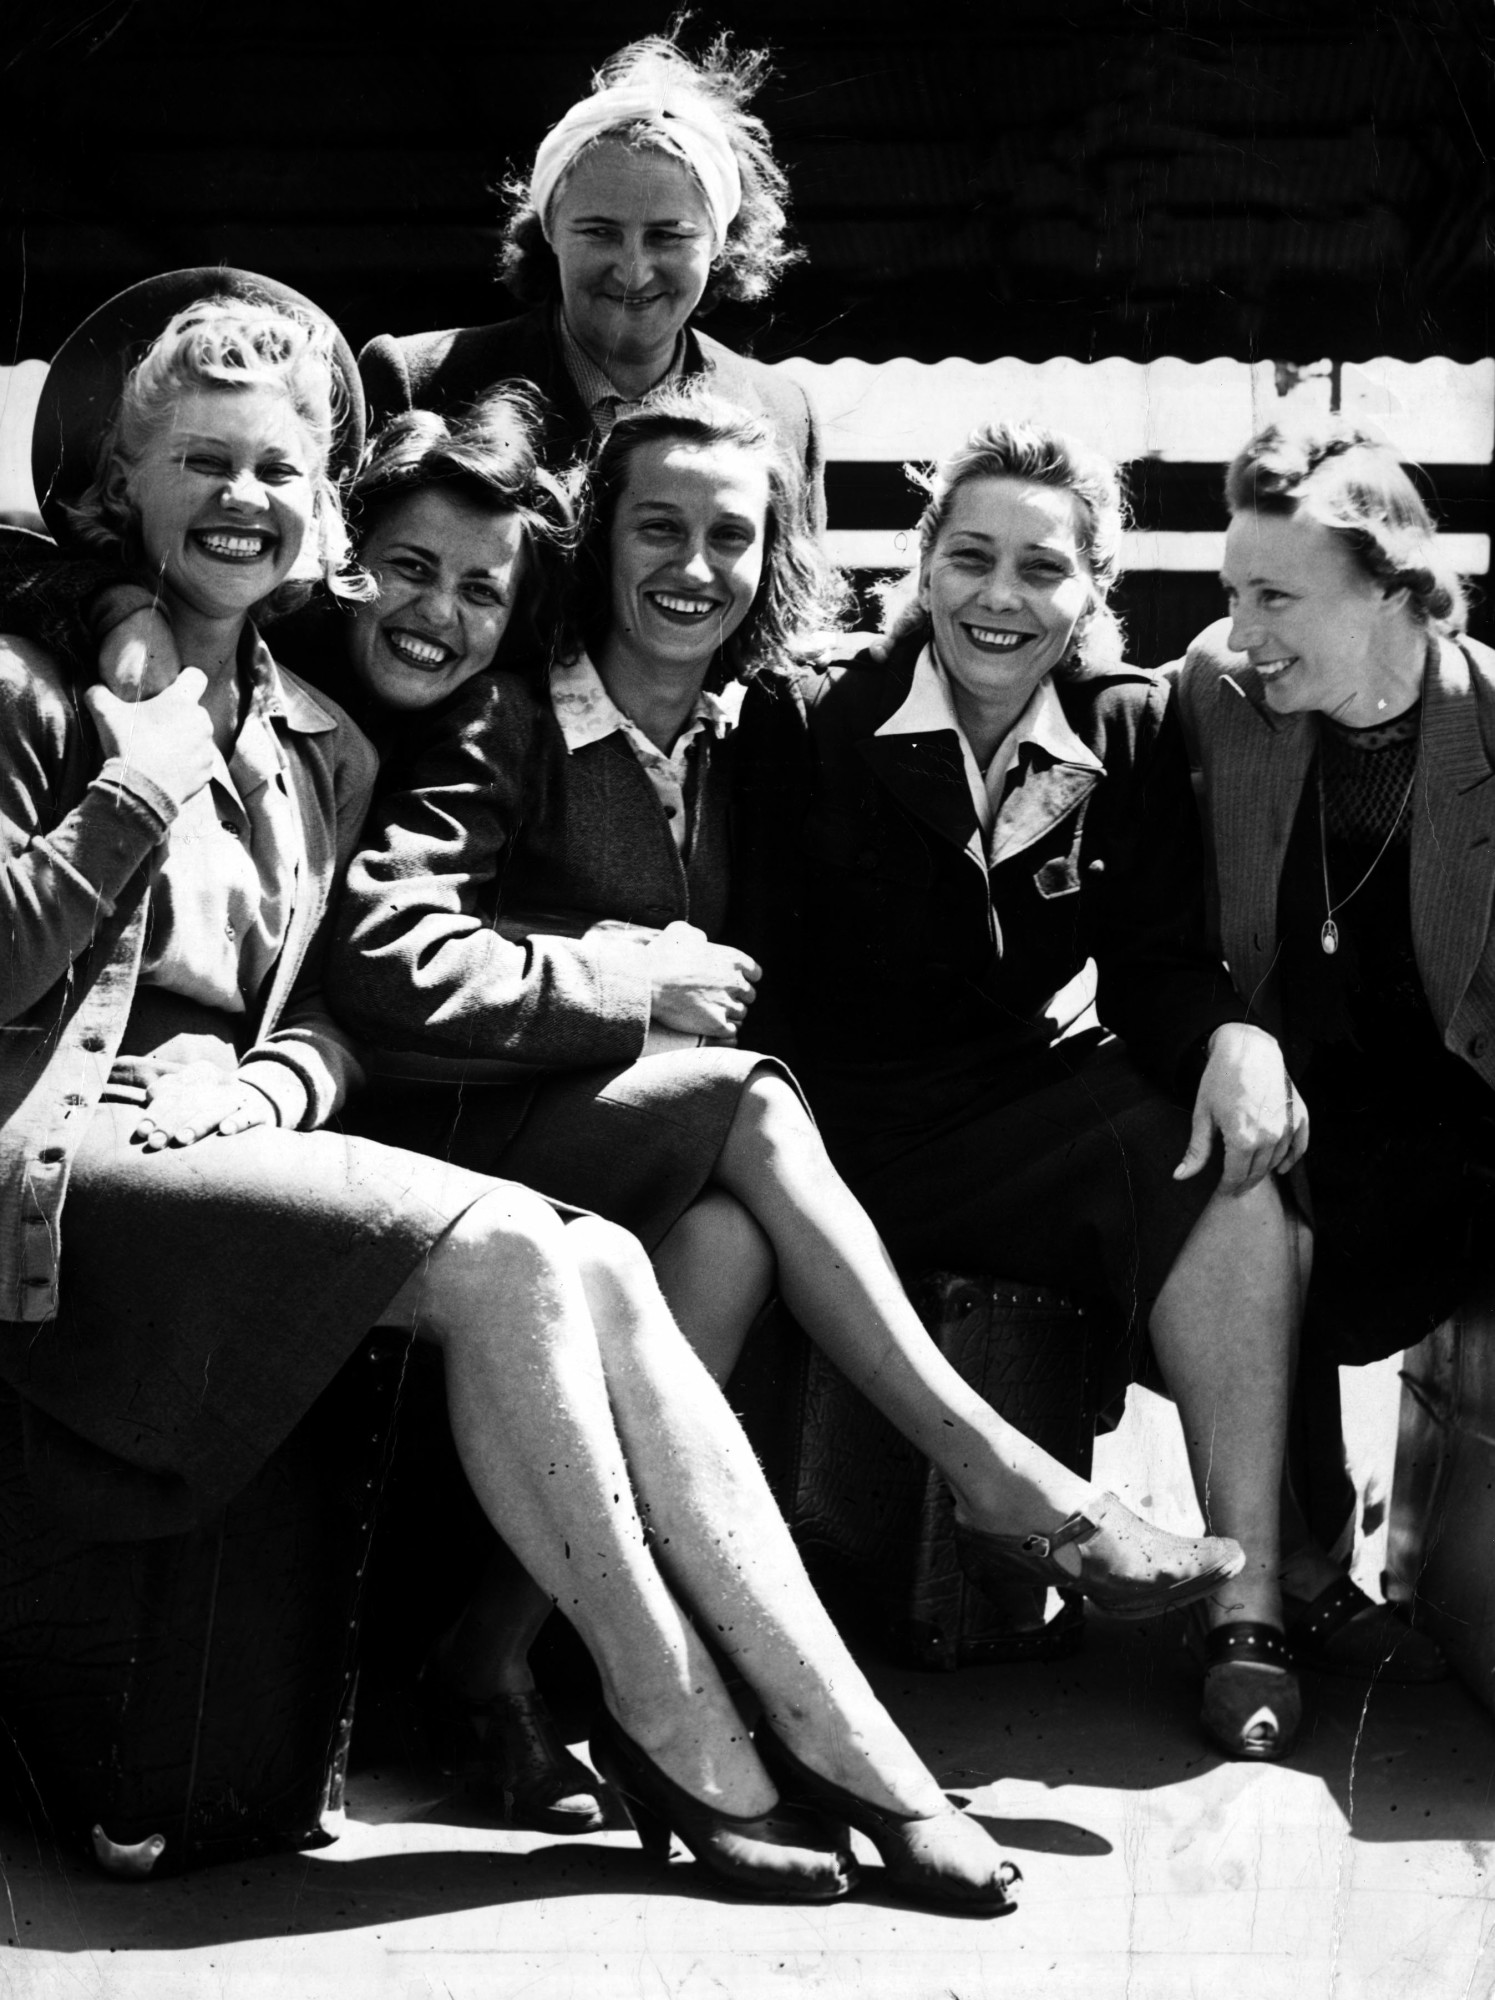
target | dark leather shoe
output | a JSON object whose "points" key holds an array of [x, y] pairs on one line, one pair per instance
{"points": [[1342, 1631], [508, 1749], [1253, 1706], [941, 1861], [785, 1855]]}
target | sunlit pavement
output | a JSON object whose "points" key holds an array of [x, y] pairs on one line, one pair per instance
{"points": [[1151, 1868]]}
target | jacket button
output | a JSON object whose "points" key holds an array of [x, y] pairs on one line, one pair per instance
{"points": [[93, 1043], [1477, 1045], [49, 1156]]}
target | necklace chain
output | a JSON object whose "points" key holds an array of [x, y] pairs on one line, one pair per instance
{"points": [[1329, 935]]}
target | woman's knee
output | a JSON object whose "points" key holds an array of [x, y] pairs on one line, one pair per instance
{"points": [[771, 1113], [509, 1240], [608, 1254]]}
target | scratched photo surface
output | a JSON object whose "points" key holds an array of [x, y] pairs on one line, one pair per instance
{"points": [[1156, 225]]}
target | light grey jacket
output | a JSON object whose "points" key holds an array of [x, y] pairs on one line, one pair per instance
{"points": [[1254, 765], [76, 841]]}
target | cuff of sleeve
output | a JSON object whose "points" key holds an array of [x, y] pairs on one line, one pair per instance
{"points": [[118, 778], [281, 1085]]}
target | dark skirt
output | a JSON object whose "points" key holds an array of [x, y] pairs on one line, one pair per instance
{"points": [[207, 1295], [1404, 1224], [636, 1143], [1066, 1181]]}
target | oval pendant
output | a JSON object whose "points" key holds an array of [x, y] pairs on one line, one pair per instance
{"points": [[1329, 936]]}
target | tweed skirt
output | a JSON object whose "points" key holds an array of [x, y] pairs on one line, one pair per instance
{"points": [[207, 1296], [635, 1142]]}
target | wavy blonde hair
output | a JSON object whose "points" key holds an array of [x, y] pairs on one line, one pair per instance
{"points": [[1001, 450], [234, 344]]}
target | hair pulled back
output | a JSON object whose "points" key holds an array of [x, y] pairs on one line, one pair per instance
{"points": [[1002, 450], [1355, 485]]}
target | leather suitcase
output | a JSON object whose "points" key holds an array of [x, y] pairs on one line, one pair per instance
{"points": [[865, 1506], [1440, 1557], [189, 1699]]}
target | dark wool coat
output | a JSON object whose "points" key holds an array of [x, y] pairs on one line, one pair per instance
{"points": [[446, 371], [878, 919]]}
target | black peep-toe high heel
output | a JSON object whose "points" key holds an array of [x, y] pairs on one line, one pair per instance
{"points": [[784, 1855], [909, 1843]]}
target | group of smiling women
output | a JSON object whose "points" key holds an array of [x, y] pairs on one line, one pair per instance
{"points": [[622, 963]]}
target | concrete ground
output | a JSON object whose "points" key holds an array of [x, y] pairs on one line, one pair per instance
{"points": [[1152, 1869]]}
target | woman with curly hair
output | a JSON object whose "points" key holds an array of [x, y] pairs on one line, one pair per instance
{"points": [[650, 200]]}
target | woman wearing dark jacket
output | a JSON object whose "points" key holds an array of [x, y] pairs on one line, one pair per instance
{"points": [[1000, 832], [650, 199]]}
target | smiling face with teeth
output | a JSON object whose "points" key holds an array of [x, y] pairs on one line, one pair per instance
{"points": [[447, 571], [1005, 585], [633, 238], [226, 498], [686, 553], [1321, 633]]}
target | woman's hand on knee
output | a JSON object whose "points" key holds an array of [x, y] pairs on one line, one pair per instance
{"points": [[197, 1100], [1247, 1096], [697, 987]]}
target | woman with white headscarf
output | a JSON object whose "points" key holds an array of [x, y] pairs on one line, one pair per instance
{"points": [[650, 200]]}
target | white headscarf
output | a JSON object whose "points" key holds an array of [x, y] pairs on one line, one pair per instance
{"points": [[684, 120]]}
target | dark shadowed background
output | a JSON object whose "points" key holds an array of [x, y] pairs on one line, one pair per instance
{"points": [[1280, 179]]}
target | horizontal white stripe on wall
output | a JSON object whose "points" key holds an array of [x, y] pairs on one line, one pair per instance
{"points": [[892, 548], [1438, 412]]}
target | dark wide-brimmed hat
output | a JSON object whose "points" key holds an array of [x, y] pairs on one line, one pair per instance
{"points": [[88, 373]]}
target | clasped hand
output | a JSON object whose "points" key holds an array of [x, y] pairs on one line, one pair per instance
{"points": [[698, 987], [190, 1103], [1247, 1096]]}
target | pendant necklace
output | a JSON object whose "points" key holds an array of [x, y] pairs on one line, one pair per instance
{"points": [[1329, 935]]}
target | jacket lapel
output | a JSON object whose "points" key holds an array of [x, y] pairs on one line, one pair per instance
{"points": [[1453, 836], [1255, 784], [926, 774]]}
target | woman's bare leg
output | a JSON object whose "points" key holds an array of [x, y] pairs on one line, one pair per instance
{"points": [[530, 1378], [839, 1282], [716, 1270], [533, 1426], [723, 1543], [1223, 1330]]}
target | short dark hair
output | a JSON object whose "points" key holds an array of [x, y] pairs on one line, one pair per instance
{"points": [[748, 264], [489, 457], [799, 592], [1355, 485]]}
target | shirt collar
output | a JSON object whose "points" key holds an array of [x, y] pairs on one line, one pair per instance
{"points": [[1043, 723], [275, 693], [594, 385], [587, 713]]}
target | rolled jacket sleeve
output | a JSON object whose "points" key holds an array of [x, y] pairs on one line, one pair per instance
{"points": [[59, 876], [434, 951]]}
